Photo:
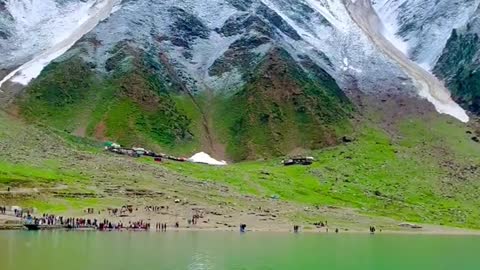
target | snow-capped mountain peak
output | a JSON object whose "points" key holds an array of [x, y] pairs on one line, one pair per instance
{"points": [[372, 46]]}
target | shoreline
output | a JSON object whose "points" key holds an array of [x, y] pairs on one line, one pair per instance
{"points": [[430, 232]]}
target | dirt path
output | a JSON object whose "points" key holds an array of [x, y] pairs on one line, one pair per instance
{"points": [[217, 149], [362, 12], [208, 138]]}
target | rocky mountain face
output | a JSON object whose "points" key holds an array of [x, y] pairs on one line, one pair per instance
{"points": [[238, 78], [459, 63], [29, 27], [37, 32], [441, 36], [421, 28], [216, 44]]}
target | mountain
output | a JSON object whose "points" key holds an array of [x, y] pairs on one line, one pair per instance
{"points": [[460, 62], [421, 28], [240, 79], [383, 94], [442, 37]]}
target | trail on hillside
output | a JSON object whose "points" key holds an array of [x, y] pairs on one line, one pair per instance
{"points": [[364, 15], [209, 141]]}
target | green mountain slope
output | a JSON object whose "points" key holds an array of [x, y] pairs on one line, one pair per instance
{"points": [[423, 170], [281, 108], [132, 105], [427, 172], [141, 101]]}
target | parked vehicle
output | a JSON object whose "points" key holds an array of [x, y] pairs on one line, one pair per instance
{"points": [[298, 161]]}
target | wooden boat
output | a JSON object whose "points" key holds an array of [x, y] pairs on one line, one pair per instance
{"points": [[32, 227], [36, 227]]}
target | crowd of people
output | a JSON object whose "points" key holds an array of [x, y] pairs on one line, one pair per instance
{"points": [[126, 209], [84, 223], [105, 224], [53, 220], [152, 208], [161, 227], [194, 220], [20, 213], [45, 219], [140, 225], [15, 210]]}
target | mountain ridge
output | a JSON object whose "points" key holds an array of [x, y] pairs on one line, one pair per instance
{"points": [[214, 49], [251, 82]]}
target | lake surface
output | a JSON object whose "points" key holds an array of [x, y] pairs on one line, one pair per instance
{"points": [[62, 250]]}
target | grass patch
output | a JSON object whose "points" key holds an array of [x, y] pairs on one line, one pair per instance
{"points": [[373, 174], [22, 174], [68, 205]]}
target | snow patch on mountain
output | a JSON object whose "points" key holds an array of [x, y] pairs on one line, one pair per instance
{"points": [[421, 28], [58, 25], [328, 28], [387, 12], [428, 86], [37, 25], [185, 35], [444, 104]]}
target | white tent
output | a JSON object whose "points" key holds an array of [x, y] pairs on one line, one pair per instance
{"points": [[206, 159]]}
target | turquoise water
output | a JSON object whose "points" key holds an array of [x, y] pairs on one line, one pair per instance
{"points": [[221, 250]]}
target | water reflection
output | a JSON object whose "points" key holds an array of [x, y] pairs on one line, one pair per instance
{"points": [[201, 261]]}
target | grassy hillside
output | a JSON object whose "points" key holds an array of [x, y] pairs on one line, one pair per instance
{"points": [[132, 106], [403, 164], [427, 171], [430, 174], [282, 108], [56, 172], [142, 101]]}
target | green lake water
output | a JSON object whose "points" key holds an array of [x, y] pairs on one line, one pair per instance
{"points": [[62, 250]]}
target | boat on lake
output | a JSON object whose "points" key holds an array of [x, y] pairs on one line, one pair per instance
{"points": [[36, 227]]}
